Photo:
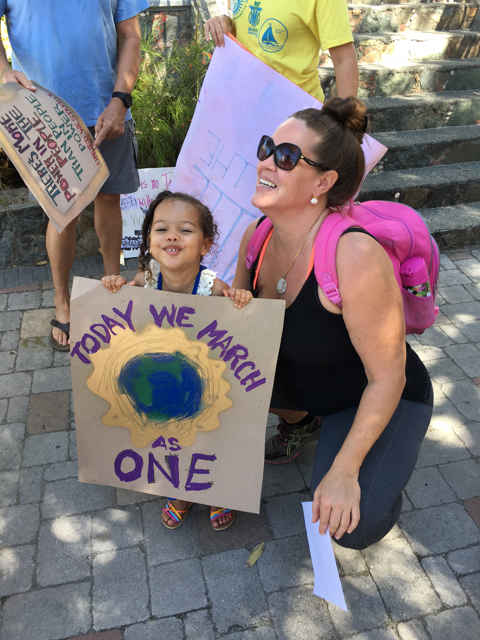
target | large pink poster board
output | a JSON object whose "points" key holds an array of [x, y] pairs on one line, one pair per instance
{"points": [[241, 100]]}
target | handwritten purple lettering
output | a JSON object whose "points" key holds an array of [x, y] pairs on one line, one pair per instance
{"points": [[83, 348], [171, 470], [236, 353], [171, 316]]}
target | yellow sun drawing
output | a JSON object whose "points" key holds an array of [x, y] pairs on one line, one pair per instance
{"points": [[160, 383]]}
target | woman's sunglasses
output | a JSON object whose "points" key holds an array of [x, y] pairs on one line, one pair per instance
{"points": [[285, 155]]}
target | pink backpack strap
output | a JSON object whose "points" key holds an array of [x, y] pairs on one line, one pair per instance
{"points": [[256, 242], [326, 242]]}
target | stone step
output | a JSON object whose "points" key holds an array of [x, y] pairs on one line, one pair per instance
{"points": [[414, 78], [430, 147], [438, 16], [23, 225], [423, 111], [453, 226], [22, 230], [394, 49], [427, 187], [353, 3]]}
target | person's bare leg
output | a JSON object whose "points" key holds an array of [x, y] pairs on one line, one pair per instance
{"points": [[61, 253], [292, 417], [108, 225]]}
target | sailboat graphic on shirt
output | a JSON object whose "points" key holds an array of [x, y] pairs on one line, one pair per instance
{"points": [[272, 36], [268, 37]]}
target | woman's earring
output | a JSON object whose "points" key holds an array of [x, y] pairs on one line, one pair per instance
{"points": [[314, 200]]}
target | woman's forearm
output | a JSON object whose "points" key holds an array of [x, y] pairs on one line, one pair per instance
{"points": [[345, 64]]}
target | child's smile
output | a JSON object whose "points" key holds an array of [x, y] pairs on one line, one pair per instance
{"points": [[172, 249], [176, 239]]}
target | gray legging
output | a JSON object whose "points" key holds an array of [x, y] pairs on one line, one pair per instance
{"points": [[385, 471]]}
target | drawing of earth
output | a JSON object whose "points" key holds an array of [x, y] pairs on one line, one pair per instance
{"points": [[159, 383], [163, 386]]}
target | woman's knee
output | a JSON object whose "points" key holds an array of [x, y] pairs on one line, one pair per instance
{"points": [[360, 539], [372, 528]]}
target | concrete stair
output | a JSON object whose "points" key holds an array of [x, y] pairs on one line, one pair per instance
{"points": [[412, 46], [420, 78], [430, 147], [424, 187], [439, 16], [424, 111], [458, 74]]}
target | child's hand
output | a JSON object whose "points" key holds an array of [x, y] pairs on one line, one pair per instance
{"points": [[240, 297], [113, 283]]}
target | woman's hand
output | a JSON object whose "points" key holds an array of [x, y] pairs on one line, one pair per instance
{"points": [[113, 283], [240, 297], [336, 503], [216, 27]]}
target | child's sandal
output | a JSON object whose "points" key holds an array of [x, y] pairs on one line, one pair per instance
{"points": [[178, 515], [215, 514]]}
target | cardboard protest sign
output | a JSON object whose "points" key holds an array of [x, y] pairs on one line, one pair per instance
{"points": [[135, 205], [51, 148], [241, 100], [172, 391]]}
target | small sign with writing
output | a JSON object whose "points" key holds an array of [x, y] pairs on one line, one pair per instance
{"points": [[135, 205], [172, 391], [52, 149]]}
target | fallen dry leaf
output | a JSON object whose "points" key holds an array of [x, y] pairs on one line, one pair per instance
{"points": [[41, 263], [14, 352], [255, 555], [463, 168]]}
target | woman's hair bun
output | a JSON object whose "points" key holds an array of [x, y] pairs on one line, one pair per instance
{"points": [[349, 112]]}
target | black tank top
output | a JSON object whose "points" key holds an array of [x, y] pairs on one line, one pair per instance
{"points": [[319, 364]]}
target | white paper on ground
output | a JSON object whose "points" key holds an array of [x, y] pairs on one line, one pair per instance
{"points": [[327, 583]]}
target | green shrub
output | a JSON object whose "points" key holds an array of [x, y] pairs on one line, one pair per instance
{"points": [[166, 94]]}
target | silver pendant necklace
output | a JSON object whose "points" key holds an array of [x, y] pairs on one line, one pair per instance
{"points": [[282, 285], [282, 282]]}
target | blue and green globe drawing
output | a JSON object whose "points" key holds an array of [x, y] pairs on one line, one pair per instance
{"points": [[163, 386]]}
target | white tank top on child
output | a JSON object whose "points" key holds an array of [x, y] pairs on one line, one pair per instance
{"points": [[205, 284]]}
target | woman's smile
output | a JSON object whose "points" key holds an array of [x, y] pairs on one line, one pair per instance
{"points": [[263, 182]]}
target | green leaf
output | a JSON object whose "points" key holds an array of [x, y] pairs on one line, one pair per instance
{"points": [[255, 555]]}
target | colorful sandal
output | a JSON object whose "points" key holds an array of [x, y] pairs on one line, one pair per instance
{"points": [[174, 514], [215, 514]]}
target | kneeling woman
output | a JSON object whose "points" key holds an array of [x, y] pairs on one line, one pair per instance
{"points": [[352, 365]]}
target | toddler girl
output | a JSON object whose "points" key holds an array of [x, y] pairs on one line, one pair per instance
{"points": [[178, 231]]}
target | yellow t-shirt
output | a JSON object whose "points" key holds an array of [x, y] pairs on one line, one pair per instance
{"points": [[288, 35]]}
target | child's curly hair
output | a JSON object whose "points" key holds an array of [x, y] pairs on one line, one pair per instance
{"points": [[207, 225]]}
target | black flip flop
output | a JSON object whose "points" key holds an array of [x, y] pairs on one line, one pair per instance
{"points": [[63, 327]]}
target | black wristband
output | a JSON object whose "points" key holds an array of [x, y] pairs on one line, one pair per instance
{"points": [[126, 98]]}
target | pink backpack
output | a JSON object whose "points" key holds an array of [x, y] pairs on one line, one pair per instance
{"points": [[403, 234]]}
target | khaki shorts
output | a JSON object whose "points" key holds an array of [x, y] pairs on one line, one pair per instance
{"points": [[120, 155]]}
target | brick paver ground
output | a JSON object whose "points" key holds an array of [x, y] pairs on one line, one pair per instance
{"points": [[86, 562]]}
